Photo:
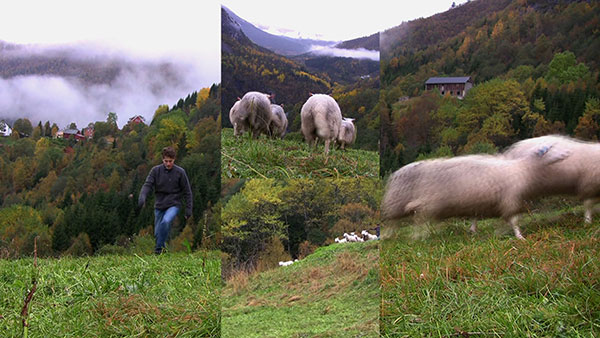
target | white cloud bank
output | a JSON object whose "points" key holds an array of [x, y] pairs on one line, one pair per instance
{"points": [[360, 53]]}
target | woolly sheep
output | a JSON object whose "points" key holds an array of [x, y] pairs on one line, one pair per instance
{"points": [[238, 119], [468, 186], [577, 175], [255, 109], [279, 121], [368, 236], [321, 118], [347, 134]]}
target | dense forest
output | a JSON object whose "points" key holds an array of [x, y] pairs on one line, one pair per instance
{"points": [[246, 66], [266, 218], [80, 197], [534, 65]]}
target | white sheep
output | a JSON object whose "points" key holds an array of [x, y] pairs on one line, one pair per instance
{"points": [[368, 236], [468, 186], [255, 110], [286, 263], [577, 175], [279, 121], [352, 237], [238, 119], [347, 134], [321, 118]]}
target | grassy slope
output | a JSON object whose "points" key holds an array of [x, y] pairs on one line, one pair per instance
{"points": [[171, 294], [450, 282], [247, 158], [332, 293]]}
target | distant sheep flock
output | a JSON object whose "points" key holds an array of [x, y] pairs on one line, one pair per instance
{"points": [[320, 116], [346, 238], [478, 186]]}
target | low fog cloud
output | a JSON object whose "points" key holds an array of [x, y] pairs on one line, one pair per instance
{"points": [[360, 53], [141, 85]]}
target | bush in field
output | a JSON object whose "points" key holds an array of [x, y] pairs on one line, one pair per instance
{"points": [[274, 253], [19, 227]]}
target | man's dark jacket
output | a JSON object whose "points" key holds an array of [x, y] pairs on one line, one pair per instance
{"points": [[169, 186]]}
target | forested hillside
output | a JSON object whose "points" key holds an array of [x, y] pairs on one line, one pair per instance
{"points": [[534, 65], [246, 66], [80, 197], [265, 220]]}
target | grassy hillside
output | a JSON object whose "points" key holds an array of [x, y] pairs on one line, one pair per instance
{"points": [[290, 158], [171, 294], [441, 279], [332, 293]]}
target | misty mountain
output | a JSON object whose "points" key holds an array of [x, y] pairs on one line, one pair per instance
{"points": [[246, 66], [344, 63], [75, 62], [370, 42], [279, 44], [83, 83]]}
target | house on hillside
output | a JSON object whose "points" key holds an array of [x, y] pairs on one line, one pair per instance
{"points": [[454, 86], [5, 129], [88, 132], [73, 134], [137, 120]]}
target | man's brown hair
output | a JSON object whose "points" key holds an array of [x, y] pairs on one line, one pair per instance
{"points": [[168, 152]]}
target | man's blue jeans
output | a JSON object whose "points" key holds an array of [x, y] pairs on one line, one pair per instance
{"points": [[162, 226]]}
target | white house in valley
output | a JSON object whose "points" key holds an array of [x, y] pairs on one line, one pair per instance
{"points": [[5, 129]]}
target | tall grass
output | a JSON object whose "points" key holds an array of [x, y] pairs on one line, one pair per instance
{"points": [[291, 157], [333, 292], [446, 281], [145, 296]]}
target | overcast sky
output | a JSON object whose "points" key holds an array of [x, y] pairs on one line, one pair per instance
{"points": [[333, 20], [145, 27]]}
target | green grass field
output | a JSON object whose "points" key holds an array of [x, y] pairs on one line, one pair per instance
{"points": [[113, 296], [290, 158], [441, 280], [332, 293]]}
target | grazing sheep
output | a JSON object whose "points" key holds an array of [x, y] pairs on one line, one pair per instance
{"points": [[286, 263], [279, 121], [469, 186], [255, 109], [238, 119], [367, 236], [577, 175], [347, 133], [320, 118]]}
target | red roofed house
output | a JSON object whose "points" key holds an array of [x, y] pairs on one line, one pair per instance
{"points": [[70, 134], [137, 119]]}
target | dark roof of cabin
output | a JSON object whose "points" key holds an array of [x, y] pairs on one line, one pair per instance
{"points": [[447, 80]]}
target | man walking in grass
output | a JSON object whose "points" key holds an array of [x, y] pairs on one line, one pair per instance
{"points": [[170, 183]]}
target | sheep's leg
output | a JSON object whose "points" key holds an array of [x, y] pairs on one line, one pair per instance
{"points": [[473, 227], [589, 207], [327, 147], [513, 223]]}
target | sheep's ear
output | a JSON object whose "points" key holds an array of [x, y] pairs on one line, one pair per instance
{"points": [[239, 98], [310, 94], [552, 154], [281, 105]]}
